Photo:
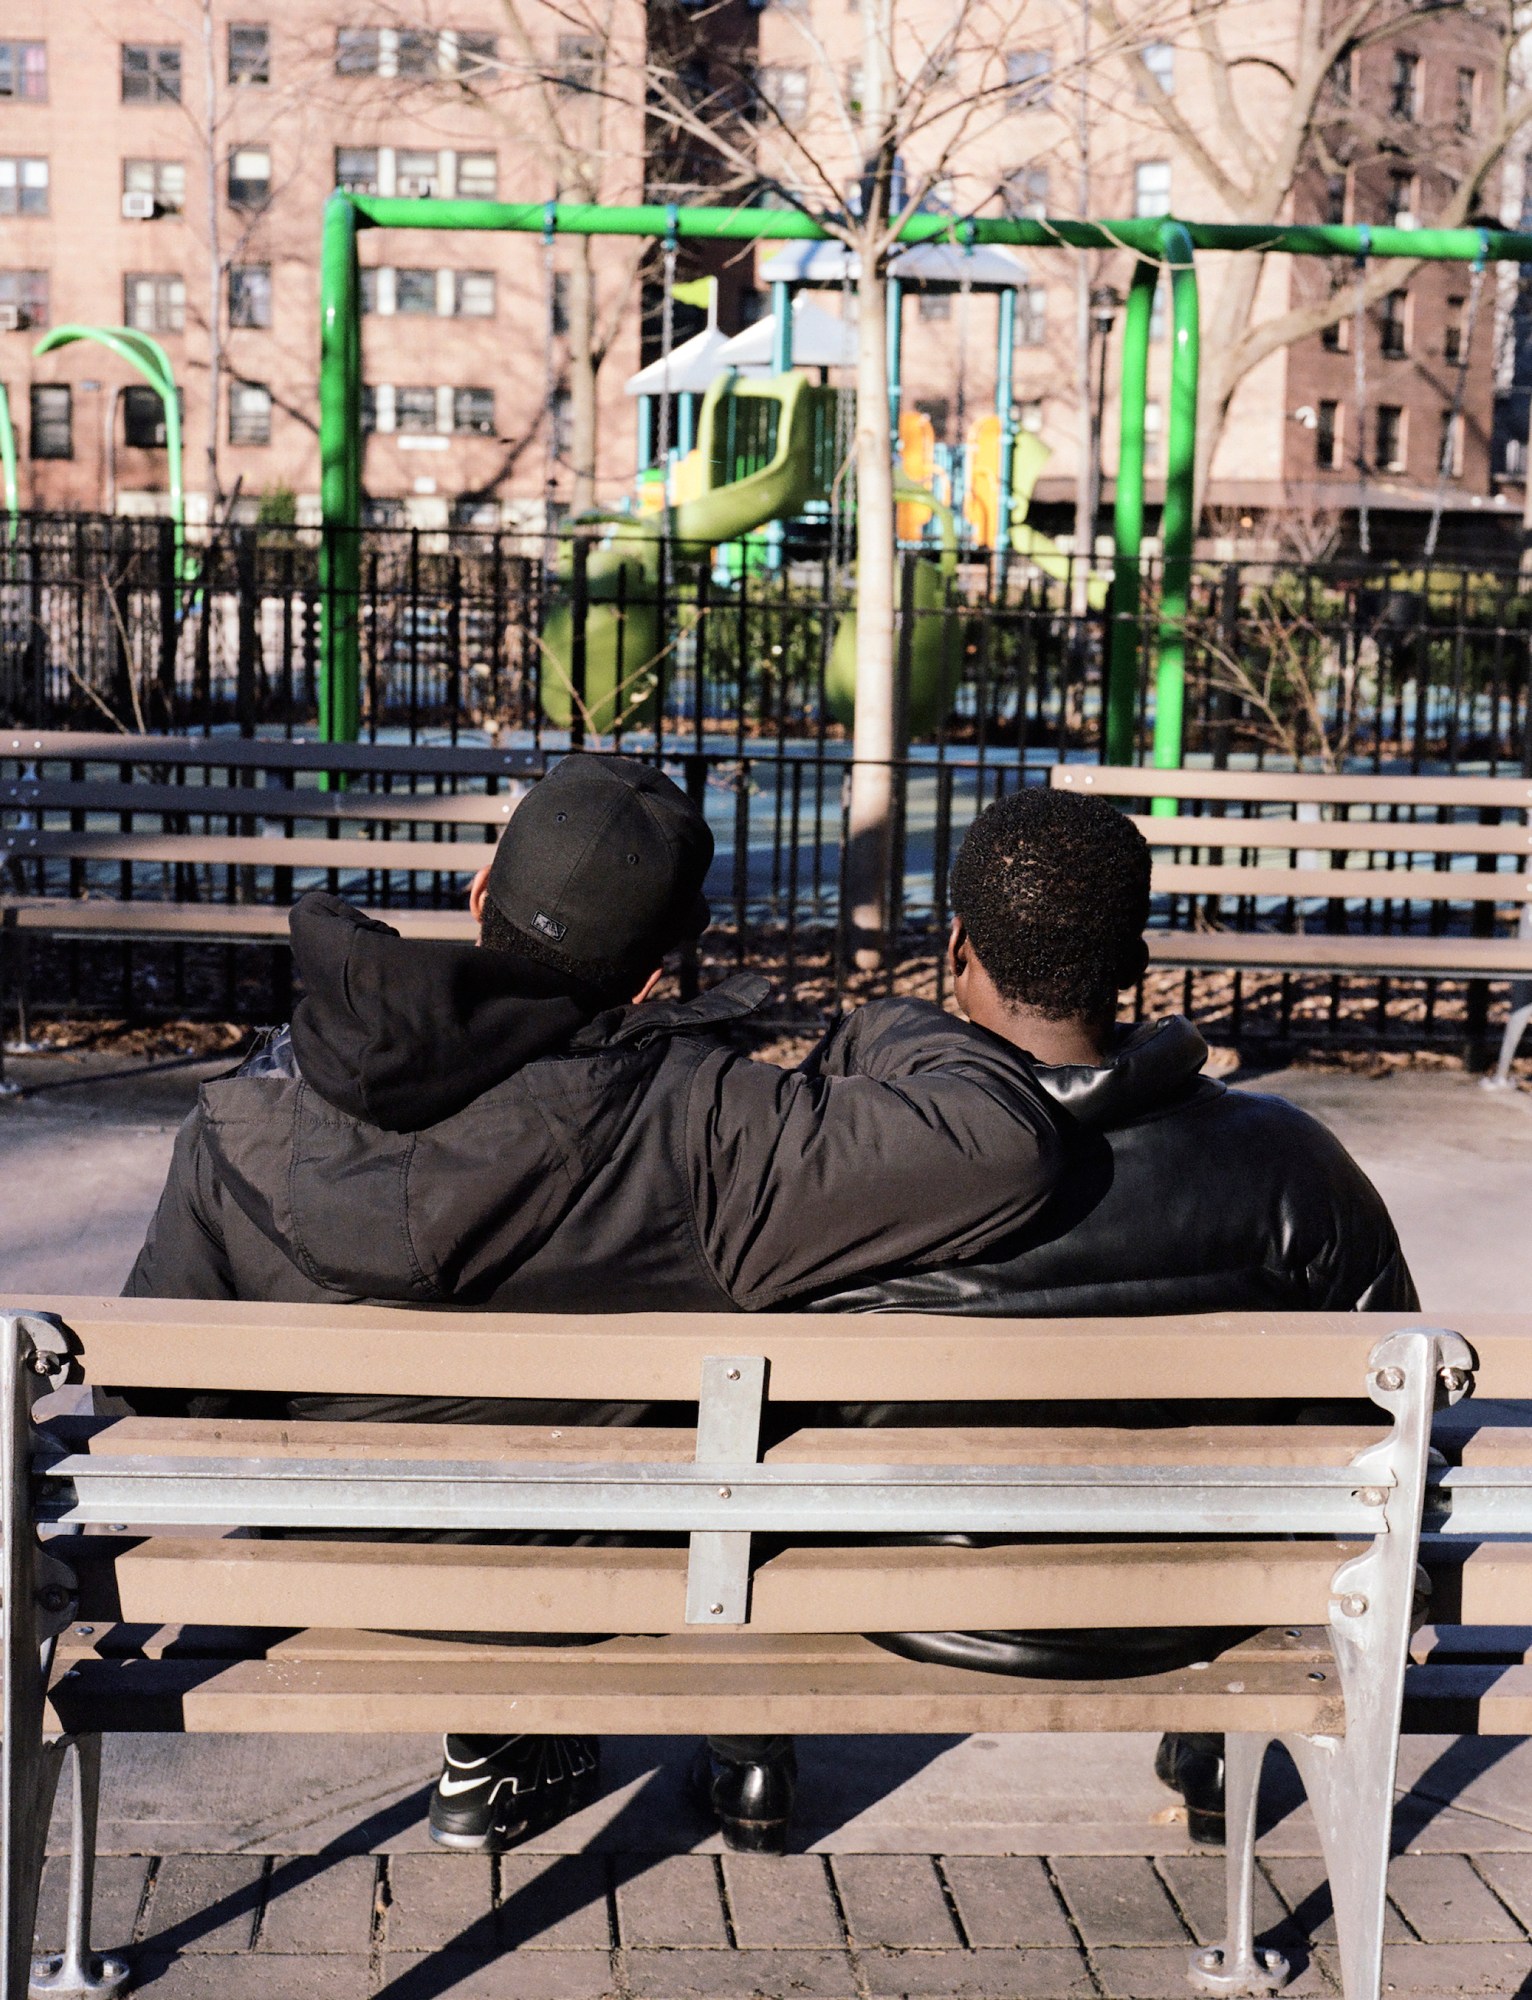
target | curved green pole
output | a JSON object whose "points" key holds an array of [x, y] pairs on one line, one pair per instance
{"points": [[144, 353], [8, 464], [340, 475], [1128, 521], [1178, 519]]}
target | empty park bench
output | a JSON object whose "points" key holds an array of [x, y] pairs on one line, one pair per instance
{"points": [[1256, 884], [1310, 1534], [208, 839]]}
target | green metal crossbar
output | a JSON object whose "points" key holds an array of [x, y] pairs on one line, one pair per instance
{"points": [[1161, 243]]}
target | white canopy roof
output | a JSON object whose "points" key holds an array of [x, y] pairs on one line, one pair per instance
{"points": [[986, 267], [692, 367], [819, 341]]}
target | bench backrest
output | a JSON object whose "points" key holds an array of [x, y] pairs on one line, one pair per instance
{"points": [[1189, 1522]]}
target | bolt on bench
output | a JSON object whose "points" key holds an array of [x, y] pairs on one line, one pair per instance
{"points": [[1246, 856], [1310, 1533], [208, 839]]}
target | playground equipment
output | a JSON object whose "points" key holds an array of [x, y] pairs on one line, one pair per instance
{"points": [[1161, 243], [143, 353]]}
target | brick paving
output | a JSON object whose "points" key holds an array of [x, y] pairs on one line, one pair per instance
{"points": [[425, 1926]]}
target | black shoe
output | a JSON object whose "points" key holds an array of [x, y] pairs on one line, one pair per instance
{"points": [[1193, 1766], [496, 1791], [752, 1802]]}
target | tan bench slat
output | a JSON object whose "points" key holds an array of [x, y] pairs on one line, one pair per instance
{"points": [[449, 1588], [256, 802], [1285, 787], [1362, 836], [1394, 957], [1484, 1583], [1494, 1444], [269, 753], [558, 1690], [657, 1356], [168, 1437], [1481, 1701], [235, 850], [1403, 885], [80, 917]]}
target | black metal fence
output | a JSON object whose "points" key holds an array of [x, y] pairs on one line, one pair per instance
{"points": [[1343, 664]]}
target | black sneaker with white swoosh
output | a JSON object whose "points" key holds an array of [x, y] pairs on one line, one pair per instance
{"points": [[495, 1791]]}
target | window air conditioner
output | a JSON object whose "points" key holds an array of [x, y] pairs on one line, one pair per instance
{"points": [[11, 320], [138, 207]]}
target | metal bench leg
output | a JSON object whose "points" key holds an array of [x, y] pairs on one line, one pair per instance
{"points": [[37, 1601], [1235, 1967], [1516, 1026], [76, 1974], [1373, 1604]]}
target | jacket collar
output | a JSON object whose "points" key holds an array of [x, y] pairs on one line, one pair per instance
{"points": [[732, 1000], [1150, 1065]]}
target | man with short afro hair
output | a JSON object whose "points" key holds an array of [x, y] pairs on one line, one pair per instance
{"points": [[1178, 1194]]}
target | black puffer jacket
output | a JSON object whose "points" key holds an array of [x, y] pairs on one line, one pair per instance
{"points": [[1178, 1195], [441, 1127]]}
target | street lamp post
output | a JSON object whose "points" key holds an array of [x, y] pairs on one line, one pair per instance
{"points": [[1105, 302]]}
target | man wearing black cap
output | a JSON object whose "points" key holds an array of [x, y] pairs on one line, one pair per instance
{"points": [[521, 1127]]}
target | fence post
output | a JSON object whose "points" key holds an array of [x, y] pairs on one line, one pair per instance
{"points": [[696, 790], [893, 902], [244, 571], [579, 612], [169, 617]]}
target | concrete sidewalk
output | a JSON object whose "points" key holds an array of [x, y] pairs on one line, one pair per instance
{"points": [[273, 1869]]}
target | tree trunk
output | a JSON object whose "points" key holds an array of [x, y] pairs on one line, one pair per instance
{"points": [[873, 744], [214, 261], [583, 370]]}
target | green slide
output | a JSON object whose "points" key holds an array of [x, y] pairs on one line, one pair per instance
{"points": [[767, 449], [936, 643]]}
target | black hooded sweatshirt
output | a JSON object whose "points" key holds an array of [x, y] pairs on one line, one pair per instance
{"points": [[442, 1126]]}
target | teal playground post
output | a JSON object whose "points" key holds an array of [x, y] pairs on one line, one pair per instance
{"points": [[143, 352], [1159, 241]]}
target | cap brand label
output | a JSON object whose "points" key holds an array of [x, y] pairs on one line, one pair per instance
{"points": [[549, 926]]}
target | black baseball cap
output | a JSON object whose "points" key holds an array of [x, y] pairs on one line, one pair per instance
{"points": [[602, 867]]}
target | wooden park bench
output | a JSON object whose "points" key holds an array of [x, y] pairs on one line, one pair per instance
{"points": [[1391, 878], [1309, 1533], [209, 839]]}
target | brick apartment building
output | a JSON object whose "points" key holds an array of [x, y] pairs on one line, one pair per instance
{"points": [[164, 166]]}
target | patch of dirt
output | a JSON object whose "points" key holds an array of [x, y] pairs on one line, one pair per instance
{"points": [[153, 1042]]}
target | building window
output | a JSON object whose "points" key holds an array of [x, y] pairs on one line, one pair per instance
{"points": [[143, 418], [1404, 91], [475, 295], [1394, 326], [415, 53], [154, 302], [1465, 103], [476, 176], [23, 187], [1399, 207], [1337, 187], [356, 169], [249, 52], [474, 410], [1336, 337], [1028, 78], [1032, 315], [1024, 193], [1449, 451], [151, 73], [414, 291], [559, 305], [1342, 75], [367, 288], [934, 305], [415, 409], [369, 409], [249, 413], [1151, 187], [476, 53], [1159, 309], [250, 295], [562, 424], [23, 299], [1327, 437], [250, 177], [24, 73], [356, 51], [577, 60], [52, 420], [418, 173], [1452, 331], [1154, 431], [1389, 456], [164, 181], [1159, 58], [784, 89]]}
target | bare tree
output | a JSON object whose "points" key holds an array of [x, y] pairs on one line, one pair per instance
{"points": [[1275, 122]]}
